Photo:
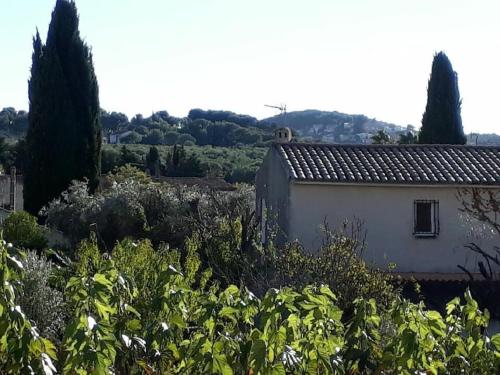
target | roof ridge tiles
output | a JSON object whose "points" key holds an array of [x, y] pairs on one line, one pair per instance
{"points": [[387, 145]]}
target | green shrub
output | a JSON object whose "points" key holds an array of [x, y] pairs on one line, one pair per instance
{"points": [[39, 300], [87, 256], [142, 263], [22, 230], [133, 206], [338, 264], [128, 172]]}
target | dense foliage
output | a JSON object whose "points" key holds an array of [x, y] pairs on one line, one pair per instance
{"points": [[381, 138], [442, 122], [227, 116], [217, 128], [22, 349], [22, 229], [224, 133], [189, 325], [236, 164], [13, 123], [39, 299], [179, 164], [131, 205], [64, 136], [339, 265], [209, 298], [222, 226]]}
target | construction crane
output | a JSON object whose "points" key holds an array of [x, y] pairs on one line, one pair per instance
{"points": [[282, 108]]}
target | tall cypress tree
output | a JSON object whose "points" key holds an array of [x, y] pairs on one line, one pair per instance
{"points": [[64, 136], [442, 122], [153, 161]]}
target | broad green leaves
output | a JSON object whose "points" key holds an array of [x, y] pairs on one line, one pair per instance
{"points": [[21, 347], [195, 330]]}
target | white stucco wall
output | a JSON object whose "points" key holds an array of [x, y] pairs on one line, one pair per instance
{"points": [[272, 191], [387, 213]]}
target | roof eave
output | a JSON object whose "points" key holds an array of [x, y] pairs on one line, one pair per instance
{"points": [[392, 184]]}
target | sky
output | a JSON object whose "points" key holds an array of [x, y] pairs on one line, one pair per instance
{"points": [[358, 56]]}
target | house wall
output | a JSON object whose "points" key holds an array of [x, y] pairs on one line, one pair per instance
{"points": [[387, 216], [272, 187]]}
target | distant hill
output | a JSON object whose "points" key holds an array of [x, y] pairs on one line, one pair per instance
{"points": [[228, 116], [333, 126], [226, 128]]}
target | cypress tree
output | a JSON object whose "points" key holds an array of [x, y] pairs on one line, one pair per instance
{"points": [[64, 136], [153, 161], [442, 122]]}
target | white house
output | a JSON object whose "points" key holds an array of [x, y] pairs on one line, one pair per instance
{"points": [[115, 138], [405, 195]]}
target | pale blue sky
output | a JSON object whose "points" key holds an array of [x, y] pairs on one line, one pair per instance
{"points": [[359, 56]]}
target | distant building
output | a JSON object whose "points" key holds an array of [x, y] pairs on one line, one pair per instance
{"points": [[114, 138], [364, 138]]}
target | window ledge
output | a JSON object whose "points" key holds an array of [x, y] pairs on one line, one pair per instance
{"points": [[425, 235]]}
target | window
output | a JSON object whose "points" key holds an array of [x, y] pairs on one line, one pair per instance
{"points": [[426, 218]]}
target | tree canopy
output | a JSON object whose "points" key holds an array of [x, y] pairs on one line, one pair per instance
{"points": [[64, 135], [442, 122]]}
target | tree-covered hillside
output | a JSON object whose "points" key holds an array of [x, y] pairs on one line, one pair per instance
{"points": [[229, 129], [332, 126], [200, 127]]}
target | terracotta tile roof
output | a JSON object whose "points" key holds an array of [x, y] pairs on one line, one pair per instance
{"points": [[392, 164]]}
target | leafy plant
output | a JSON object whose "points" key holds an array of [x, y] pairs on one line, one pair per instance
{"points": [[21, 346], [190, 327], [21, 229], [340, 265], [91, 338]]}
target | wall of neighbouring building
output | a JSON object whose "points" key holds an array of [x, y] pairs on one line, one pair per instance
{"points": [[272, 199], [387, 213], [5, 192]]}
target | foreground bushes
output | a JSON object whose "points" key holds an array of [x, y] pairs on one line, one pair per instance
{"points": [[189, 326], [131, 205]]}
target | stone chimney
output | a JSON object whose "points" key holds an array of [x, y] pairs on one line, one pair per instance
{"points": [[283, 135]]}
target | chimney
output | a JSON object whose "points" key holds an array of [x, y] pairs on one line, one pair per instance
{"points": [[13, 186], [283, 135]]}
